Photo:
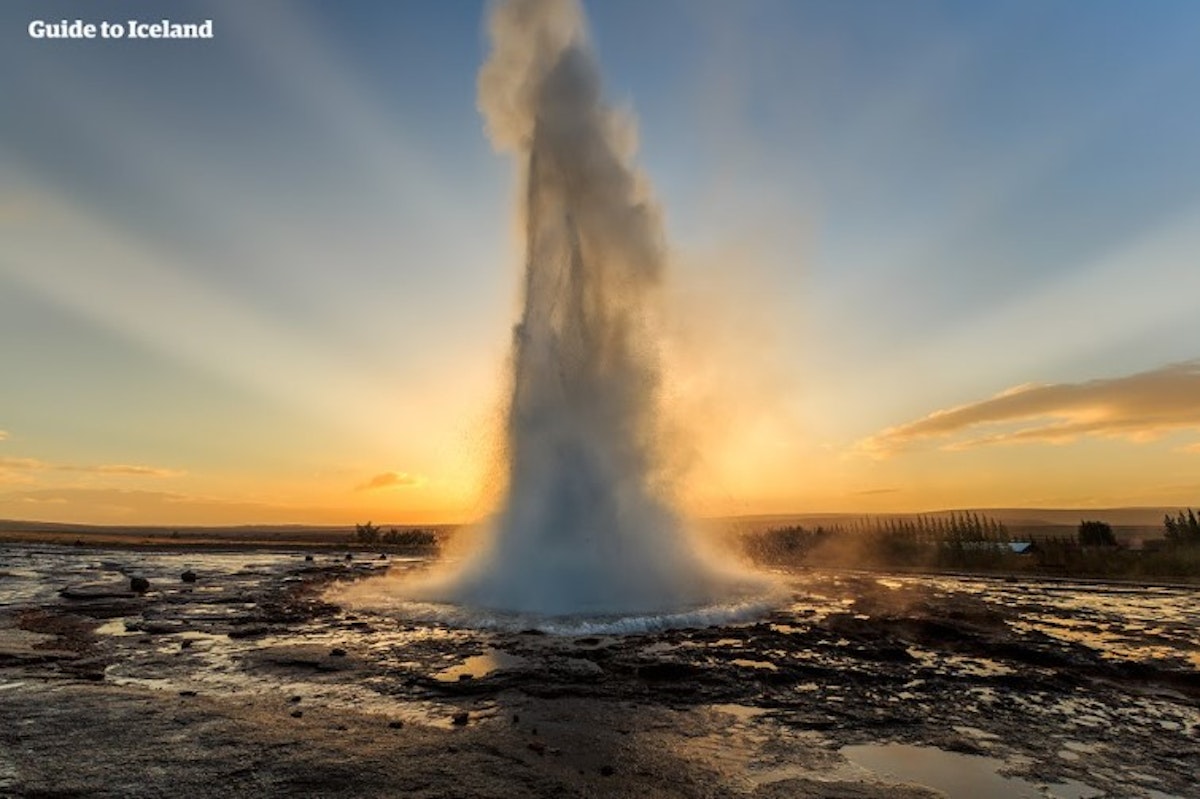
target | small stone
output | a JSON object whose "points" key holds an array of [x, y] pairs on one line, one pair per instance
{"points": [[383, 556], [294, 699], [139, 585], [516, 718], [395, 725], [537, 746], [308, 558], [186, 643], [187, 693], [188, 576], [465, 677], [606, 771], [460, 718], [297, 714], [451, 749], [349, 556], [337, 652]]}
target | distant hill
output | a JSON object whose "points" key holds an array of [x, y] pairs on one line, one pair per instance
{"points": [[1046, 521], [16, 529]]}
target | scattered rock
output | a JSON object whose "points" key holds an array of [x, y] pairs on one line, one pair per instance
{"points": [[187, 693], [139, 585], [186, 643], [297, 714], [460, 718], [395, 725], [96, 591], [337, 652], [294, 699], [308, 558], [606, 771], [577, 668], [349, 556], [188, 576], [669, 670], [537, 746], [249, 631]]}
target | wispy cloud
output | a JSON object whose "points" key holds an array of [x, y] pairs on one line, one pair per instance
{"points": [[21, 464], [3, 434], [35, 465], [126, 468], [1139, 407], [390, 480], [135, 506], [866, 492]]}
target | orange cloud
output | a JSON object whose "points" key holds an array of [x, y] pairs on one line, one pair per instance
{"points": [[1139, 407], [390, 480]]}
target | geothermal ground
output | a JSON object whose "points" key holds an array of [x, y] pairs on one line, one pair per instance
{"points": [[248, 681]]}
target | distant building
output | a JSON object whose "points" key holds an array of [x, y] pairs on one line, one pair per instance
{"points": [[1018, 547]]}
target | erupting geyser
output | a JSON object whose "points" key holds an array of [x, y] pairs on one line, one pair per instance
{"points": [[585, 526]]}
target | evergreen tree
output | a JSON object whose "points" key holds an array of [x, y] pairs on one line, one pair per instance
{"points": [[1096, 534]]}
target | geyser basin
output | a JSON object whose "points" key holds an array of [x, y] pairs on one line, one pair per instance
{"points": [[394, 597], [585, 527]]}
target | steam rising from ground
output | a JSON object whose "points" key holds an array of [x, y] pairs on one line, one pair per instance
{"points": [[586, 526]]}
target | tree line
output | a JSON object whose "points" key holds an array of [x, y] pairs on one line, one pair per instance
{"points": [[1182, 529], [369, 535]]}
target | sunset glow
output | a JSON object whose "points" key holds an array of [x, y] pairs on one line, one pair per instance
{"points": [[922, 256]]}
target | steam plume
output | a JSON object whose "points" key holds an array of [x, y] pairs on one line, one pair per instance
{"points": [[585, 526]]}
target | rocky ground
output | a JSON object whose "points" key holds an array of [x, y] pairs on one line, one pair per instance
{"points": [[248, 682]]}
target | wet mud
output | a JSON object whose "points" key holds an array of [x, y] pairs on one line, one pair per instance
{"points": [[248, 681]]}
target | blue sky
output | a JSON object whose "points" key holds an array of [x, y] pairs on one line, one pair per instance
{"points": [[263, 270]]}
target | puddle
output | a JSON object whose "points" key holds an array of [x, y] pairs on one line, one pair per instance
{"points": [[956, 775], [480, 666], [739, 712]]}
